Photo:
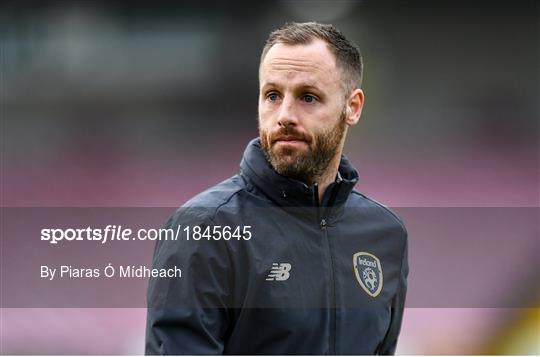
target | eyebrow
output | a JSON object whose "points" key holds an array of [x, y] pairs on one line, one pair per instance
{"points": [[305, 85]]}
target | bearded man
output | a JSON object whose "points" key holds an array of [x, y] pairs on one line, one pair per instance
{"points": [[286, 257]]}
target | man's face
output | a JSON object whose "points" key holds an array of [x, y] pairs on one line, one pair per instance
{"points": [[301, 109]]}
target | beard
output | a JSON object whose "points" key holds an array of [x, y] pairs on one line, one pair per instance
{"points": [[299, 164]]}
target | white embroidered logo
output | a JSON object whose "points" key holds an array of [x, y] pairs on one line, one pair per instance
{"points": [[279, 272], [369, 273]]}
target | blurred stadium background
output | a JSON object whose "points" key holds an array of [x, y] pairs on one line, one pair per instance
{"points": [[143, 104]]}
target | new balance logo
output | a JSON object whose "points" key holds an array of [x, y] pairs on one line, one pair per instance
{"points": [[279, 272]]}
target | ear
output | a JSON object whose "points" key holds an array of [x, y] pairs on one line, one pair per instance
{"points": [[355, 102]]}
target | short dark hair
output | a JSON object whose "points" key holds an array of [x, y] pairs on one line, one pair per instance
{"points": [[347, 54]]}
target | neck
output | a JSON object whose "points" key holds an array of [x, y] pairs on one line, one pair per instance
{"points": [[329, 176]]}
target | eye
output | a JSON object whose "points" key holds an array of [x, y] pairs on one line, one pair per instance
{"points": [[308, 98], [272, 97]]}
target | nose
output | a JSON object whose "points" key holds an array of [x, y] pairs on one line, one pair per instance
{"points": [[287, 113]]}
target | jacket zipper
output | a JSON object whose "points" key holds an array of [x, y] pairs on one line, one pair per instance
{"points": [[323, 224]]}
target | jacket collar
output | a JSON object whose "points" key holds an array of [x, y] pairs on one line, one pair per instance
{"points": [[287, 192]]}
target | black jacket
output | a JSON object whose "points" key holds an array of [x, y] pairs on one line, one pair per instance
{"points": [[314, 278]]}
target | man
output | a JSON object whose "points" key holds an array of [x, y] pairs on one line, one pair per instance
{"points": [[312, 266]]}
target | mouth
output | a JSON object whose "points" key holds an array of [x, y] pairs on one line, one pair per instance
{"points": [[289, 141]]}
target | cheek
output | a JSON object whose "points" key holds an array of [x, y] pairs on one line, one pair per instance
{"points": [[265, 119], [264, 128], [325, 122], [331, 116]]}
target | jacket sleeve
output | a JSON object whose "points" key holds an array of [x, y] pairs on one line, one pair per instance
{"points": [[388, 346], [189, 315]]}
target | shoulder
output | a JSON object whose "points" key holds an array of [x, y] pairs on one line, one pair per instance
{"points": [[218, 195], [359, 200], [202, 208]]}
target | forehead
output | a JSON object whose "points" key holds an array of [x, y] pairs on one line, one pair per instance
{"points": [[313, 63]]}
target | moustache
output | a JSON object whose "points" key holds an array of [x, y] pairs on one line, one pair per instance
{"points": [[289, 133]]}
